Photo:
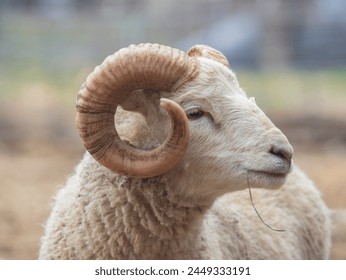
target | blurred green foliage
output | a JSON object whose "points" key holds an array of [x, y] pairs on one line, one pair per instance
{"points": [[41, 52], [281, 90], [296, 90]]}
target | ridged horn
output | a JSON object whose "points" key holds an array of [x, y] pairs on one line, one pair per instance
{"points": [[208, 52], [145, 66]]}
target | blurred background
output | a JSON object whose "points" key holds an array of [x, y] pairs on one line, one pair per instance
{"points": [[290, 55]]}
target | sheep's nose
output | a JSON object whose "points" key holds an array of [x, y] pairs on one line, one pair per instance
{"points": [[282, 151]]}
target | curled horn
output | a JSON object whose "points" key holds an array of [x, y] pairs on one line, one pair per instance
{"points": [[208, 52], [145, 66]]}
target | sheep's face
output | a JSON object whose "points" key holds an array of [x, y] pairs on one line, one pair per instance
{"points": [[219, 140], [233, 144]]}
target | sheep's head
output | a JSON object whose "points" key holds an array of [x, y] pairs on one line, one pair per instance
{"points": [[218, 137]]}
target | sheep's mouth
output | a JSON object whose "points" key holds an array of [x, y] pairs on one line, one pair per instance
{"points": [[269, 174]]}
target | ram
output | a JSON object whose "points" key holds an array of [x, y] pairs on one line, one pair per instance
{"points": [[173, 147]]}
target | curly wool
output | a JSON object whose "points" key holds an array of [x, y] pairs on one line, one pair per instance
{"points": [[118, 218], [100, 215]]}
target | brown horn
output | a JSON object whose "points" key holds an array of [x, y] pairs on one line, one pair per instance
{"points": [[144, 66], [208, 52]]}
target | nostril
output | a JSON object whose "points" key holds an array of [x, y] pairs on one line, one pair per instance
{"points": [[282, 153]]}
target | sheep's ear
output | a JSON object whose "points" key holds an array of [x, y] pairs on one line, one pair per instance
{"points": [[208, 52]]}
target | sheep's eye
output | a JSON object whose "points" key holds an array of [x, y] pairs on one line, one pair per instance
{"points": [[194, 113]]}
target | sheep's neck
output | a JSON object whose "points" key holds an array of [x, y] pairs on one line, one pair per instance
{"points": [[161, 222]]}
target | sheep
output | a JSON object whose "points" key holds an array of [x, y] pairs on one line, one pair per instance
{"points": [[148, 190]]}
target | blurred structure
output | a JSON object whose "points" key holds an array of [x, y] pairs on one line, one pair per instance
{"points": [[261, 34]]}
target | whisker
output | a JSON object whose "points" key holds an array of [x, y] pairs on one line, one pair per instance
{"points": [[253, 205]]}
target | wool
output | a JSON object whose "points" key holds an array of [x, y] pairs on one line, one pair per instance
{"points": [[118, 218]]}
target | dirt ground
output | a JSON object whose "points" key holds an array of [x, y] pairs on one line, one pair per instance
{"points": [[39, 149]]}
